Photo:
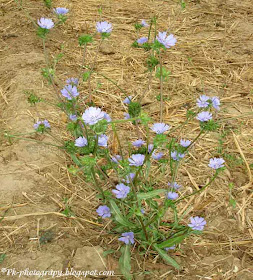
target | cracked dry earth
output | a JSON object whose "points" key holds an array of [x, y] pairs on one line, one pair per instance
{"points": [[33, 178]]}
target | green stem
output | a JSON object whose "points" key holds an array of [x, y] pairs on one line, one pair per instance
{"points": [[55, 138], [96, 182], [202, 189], [138, 205], [161, 87], [109, 79], [34, 140], [96, 145], [92, 69], [26, 13], [150, 27], [45, 52], [117, 137], [178, 163]]}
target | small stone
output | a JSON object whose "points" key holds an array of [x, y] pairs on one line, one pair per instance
{"points": [[107, 48]]}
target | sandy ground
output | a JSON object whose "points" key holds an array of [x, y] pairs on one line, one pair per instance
{"points": [[213, 56]]}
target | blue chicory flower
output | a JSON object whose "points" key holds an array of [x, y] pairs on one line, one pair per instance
{"points": [[61, 11], [127, 100], [45, 23], [116, 158], [70, 92], [102, 140], [204, 116], [126, 116], [142, 211], [138, 143], [177, 156], [160, 128], [129, 178], [203, 101], [170, 248], [136, 160], [142, 40], [104, 211], [107, 117], [174, 185], [121, 191], [197, 223], [167, 41], [81, 142], [127, 237], [104, 27], [216, 163], [72, 81], [185, 143], [45, 123], [92, 115], [150, 148], [144, 23], [172, 195], [73, 117], [216, 102], [157, 156]]}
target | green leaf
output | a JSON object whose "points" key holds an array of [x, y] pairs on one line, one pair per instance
{"points": [[150, 194], [172, 241], [138, 26], [160, 139], [42, 32], [88, 161], [85, 39], [86, 75], [2, 257], [165, 73], [125, 262], [232, 202], [166, 257], [118, 215], [134, 109], [108, 252], [73, 170], [48, 3], [76, 160]]}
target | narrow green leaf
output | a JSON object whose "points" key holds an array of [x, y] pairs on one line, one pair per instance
{"points": [[118, 215], [232, 202], [2, 257], [76, 160], [166, 257], [150, 194], [108, 252], [172, 241], [125, 262]]}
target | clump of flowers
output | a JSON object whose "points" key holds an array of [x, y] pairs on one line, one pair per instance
{"points": [[143, 211], [42, 126], [205, 101]]}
